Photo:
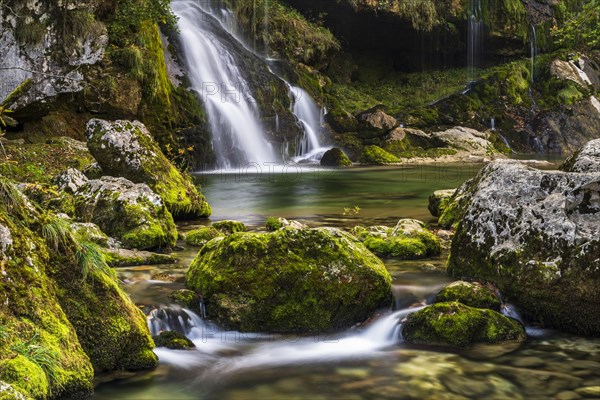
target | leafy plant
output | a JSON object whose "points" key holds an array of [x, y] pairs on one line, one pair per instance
{"points": [[581, 30]]}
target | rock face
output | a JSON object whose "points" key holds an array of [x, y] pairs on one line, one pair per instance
{"points": [[132, 213], [585, 160], [290, 280], [408, 240], [335, 158], [458, 325], [125, 148], [377, 121], [30, 42], [536, 235]]}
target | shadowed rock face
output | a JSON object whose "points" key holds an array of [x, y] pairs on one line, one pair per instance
{"points": [[536, 234]]}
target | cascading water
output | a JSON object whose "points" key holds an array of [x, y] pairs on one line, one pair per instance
{"points": [[534, 51], [310, 117], [238, 135], [475, 40]]}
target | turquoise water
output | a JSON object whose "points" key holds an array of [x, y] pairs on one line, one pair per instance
{"points": [[346, 365]]}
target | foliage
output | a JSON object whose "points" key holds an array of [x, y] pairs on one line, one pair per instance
{"points": [[45, 358], [58, 234], [581, 30], [90, 260], [29, 33], [290, 35]]}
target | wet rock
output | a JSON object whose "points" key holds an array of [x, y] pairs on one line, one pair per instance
{"points": [[274, 223], [438, 201], [331, 280], [472, 294], [465, 385], [230, 227], [186, 298], [173, 340], [567, 395], [126, 149], [130, 212], [589, 391], [455, 324], [131, 258], [335, 158], [528, 362], [535, 235]]}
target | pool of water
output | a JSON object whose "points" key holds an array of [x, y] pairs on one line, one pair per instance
{"points": [[369, 361]]}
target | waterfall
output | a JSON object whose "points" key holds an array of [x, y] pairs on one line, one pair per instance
{"points": [[238, 135], [534, 51], [310, 117], [475, 40]]}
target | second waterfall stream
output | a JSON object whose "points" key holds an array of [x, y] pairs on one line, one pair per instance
{"points": [[238, 135]]}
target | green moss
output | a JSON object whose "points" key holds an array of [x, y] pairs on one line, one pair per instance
{"points": [[455, 324], [173, 340], [330, 280], [402, 248], [25, 375], [335, 158], [186, 298], [471, 294], [229, 227], [199, 237], [273, 224], [374, 155]]}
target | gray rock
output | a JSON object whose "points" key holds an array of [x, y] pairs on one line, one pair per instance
{"points": [[377, 120], [585, 160], [465, 139], [536, 235], [130, 212]]}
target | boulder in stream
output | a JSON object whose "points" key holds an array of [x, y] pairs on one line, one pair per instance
{"points": [[536, 235], [290, 280]]}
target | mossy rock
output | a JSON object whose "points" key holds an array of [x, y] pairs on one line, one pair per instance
{"points": [[438, 201], [374, 155], [335, 158], [174, 341], [187, 299], [132, 213], [274, 223], [25, 375], [408, 240], [291, 280], [201, 236], [9, 392], [457, 325], [230, 227], [126, 149], [472, 294], [130, 258]]}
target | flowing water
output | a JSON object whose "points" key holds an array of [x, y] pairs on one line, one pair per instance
{"points": [[475, 39], [368, 362]]}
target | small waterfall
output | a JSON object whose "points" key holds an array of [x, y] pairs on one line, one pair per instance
{"points": [[238, 134], [310, 117], [534, 50], [388, 330], [173, 318], [475, 40], [492, 124]]}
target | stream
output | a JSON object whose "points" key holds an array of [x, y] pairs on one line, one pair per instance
{"points": [[366, 362]]}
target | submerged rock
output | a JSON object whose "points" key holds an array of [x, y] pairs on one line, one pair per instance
{"points": [[125, 148], [438, 201], [230, 227], [472, 294], [132, 213], [335, 158], [274, 223], [455, 324], [408, 240], [535, 235], [291, 280]]}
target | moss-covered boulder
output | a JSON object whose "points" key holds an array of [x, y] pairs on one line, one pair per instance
{"points": [[9, 392], [335, 158], [309, 280], [408, 240], [173, 340], [374, 155], [454, 207], [132, 213], [230, 227], [458, 325], [535, 235], [472, 294], [126, 149], [438, 201], [201, 236]]}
